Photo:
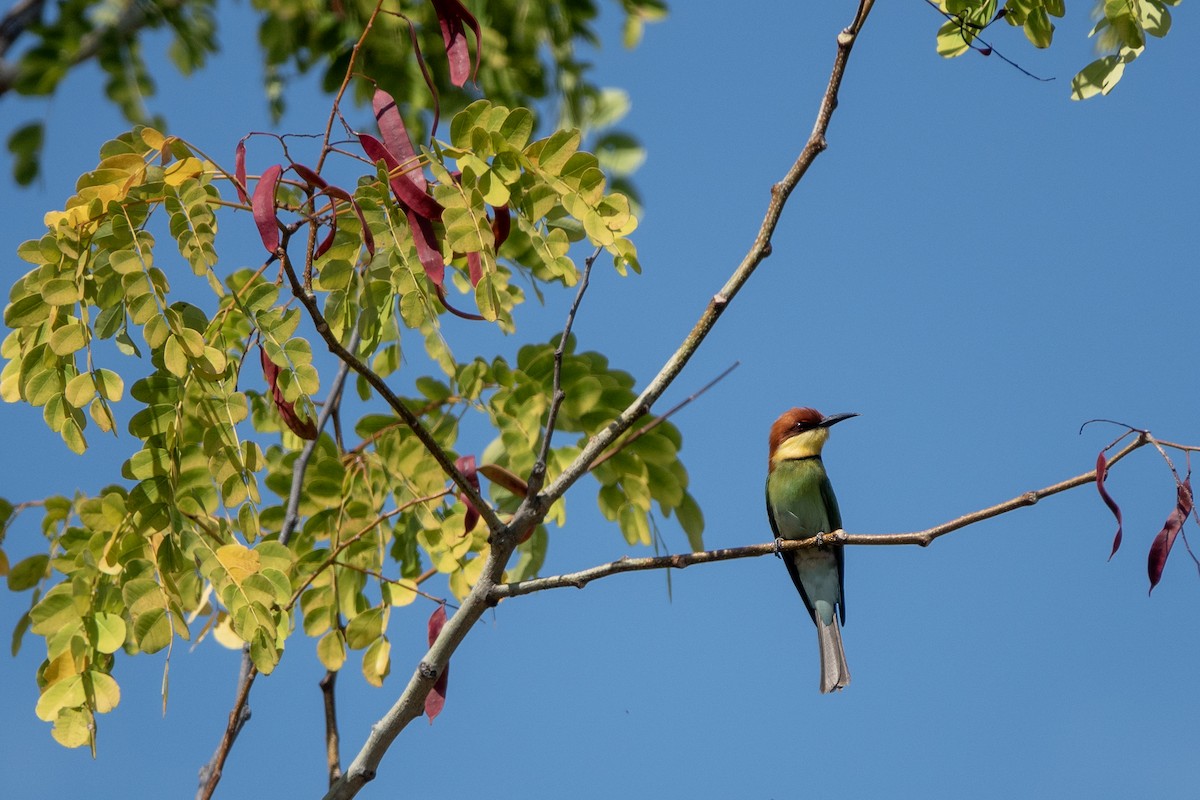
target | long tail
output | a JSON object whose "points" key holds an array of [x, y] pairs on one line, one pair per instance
{"points": [[834, 672]]}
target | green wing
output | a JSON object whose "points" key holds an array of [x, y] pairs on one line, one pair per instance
{"points": [[835, 522]]}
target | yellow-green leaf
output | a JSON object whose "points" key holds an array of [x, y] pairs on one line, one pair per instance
{"points": [[331, 650]]}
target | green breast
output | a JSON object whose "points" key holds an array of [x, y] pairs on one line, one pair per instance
{"points": [[801, 499]]}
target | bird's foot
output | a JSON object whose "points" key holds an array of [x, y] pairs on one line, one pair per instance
{"points": [[779, 547], [820, 538]]}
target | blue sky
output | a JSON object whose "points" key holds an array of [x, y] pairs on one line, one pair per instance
{"points": [[976, 265]]}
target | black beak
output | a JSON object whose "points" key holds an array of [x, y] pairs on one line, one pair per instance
{"points": [[833, 419]]}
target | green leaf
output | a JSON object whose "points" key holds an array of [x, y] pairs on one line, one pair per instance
{"points": [[25, 144], [73, 727], [1038, 28], [109, 384], [263, 652], [691, 519], [80, 390], [364, 629], [555, 151], [72, 436], [69, 338], [152, 630], [1099, 77], [26, 311], [56, 611], [174, 358], [106, 694], [60, 292], [335, 274], [331, 650], [517, 127], [634, 524], [377, 661], [27, 573], [110, 632], [67, 693]]}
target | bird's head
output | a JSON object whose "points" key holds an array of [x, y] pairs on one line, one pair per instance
{"points": [[801, 433]]}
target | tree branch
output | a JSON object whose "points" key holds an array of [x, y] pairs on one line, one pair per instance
{"points": [[582, 578], [239, 715], [414, 423], [17, 19], [292, 517], [532, 510], [131, 16], [760, 249], [332, 758], [411, 703]]}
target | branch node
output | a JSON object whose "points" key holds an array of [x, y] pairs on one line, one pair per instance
{"points": [[427, 670], [1030, 498], [719, 301], [845, 38]]}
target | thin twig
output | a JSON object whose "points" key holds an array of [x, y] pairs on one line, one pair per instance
{"points": [[337, 100], [403, 583], [923, 538], [537, 476], [649, 426], [292, 517], [17, 19], [987, 49]]}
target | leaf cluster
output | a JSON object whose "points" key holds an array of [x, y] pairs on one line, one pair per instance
{"points": [[1120, 32], [529, 55], [197, 537]]}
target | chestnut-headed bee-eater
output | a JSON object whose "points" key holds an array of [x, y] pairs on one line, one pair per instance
{"points": [[800, 505]]}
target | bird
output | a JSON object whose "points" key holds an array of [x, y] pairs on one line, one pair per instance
{"points": [[800, 505]]}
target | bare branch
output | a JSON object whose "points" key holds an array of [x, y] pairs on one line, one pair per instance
{"points": [[17, 19], [337, 100], [239, 715], [328, 695], [923, 538], [758, 252], [410, 705], [538, 474]]}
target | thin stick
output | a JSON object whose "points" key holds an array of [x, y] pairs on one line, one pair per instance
{"points": [[538, 475], [642, 431]]}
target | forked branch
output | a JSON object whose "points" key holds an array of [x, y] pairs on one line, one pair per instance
{"points": [[533, 509]]}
